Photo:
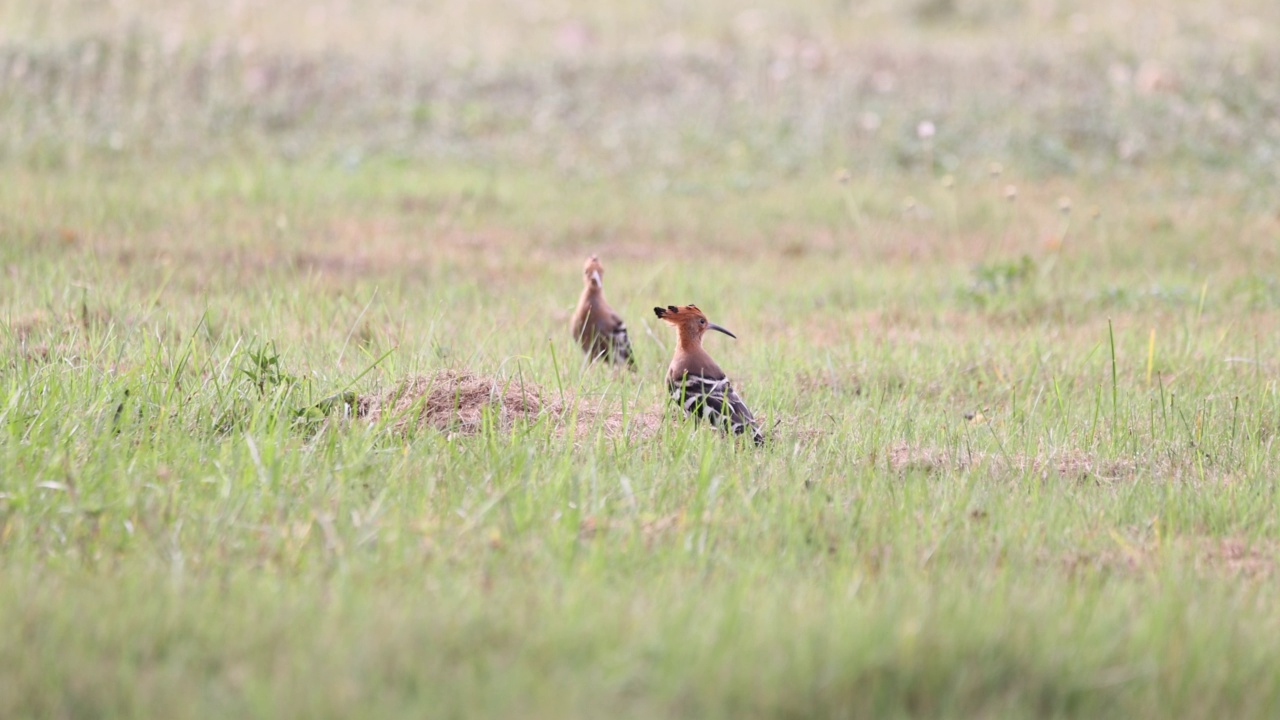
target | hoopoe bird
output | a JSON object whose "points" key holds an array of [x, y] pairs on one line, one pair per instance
{"points": [[694, 380], [595, 325]]}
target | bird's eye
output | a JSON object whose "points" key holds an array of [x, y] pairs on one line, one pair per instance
{"points": [[702, 321]]}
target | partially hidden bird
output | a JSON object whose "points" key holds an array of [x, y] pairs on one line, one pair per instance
{"points": [[696, 383], [595, 325]]}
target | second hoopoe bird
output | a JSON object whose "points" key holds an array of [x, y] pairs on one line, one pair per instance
{"points": [[696, 382], [595, 325]]}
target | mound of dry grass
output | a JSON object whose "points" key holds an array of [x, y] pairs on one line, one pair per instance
{"points": [[457, 401], [452, 400]]}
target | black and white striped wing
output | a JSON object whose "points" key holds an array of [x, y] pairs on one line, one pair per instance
{"points": [[715, 401], [620, 344], [740, 418]]}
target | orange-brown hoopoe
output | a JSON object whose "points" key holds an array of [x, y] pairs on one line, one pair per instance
{"points": [[595, 325], [694, 380]]}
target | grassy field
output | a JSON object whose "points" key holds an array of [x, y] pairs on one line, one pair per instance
{"points": [[291, 424]]}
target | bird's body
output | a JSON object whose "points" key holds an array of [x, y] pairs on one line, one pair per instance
{"points": [[595, 325], [696, 383]]}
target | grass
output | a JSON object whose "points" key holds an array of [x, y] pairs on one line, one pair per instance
{"points": [[1018, 374]]}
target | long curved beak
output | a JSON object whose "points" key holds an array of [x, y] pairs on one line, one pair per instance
{"points": [[596, 279], [713, 326]]}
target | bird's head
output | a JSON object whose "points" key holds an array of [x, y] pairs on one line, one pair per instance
{"points": [[593, 273], [689, 319]]}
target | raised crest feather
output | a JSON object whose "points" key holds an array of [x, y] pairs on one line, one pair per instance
{"points": [[696, 383]]}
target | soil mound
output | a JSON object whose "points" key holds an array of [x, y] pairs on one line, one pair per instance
{"points": [[457, 400], [452, 400]]}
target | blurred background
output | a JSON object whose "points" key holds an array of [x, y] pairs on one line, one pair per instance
{"points": [[1004, 274], [663, 92]]}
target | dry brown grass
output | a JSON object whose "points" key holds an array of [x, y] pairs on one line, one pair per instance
{"points": [[453, 400], [903, 458], [649, 529], [457, 401], [41, 337], [1231, 556]]}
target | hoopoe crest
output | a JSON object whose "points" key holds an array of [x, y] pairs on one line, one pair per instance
{"points": [[696, 383], [596, 327]]}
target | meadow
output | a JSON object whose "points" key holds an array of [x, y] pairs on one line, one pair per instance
{"points": [[291, 423]]}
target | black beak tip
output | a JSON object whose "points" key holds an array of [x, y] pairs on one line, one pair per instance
{"points": [[717, 328]]}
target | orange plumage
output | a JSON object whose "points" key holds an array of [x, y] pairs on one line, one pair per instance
{"points": [[596, 327], [696, 382]]}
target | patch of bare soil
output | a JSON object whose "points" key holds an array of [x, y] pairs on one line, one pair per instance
{"points": [[42, 337], [26, 326], [452, 400], [458, 401], [1240, 557], [902, 458], [1231, 556], [650, 529]]}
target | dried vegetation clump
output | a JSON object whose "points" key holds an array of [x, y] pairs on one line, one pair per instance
{"points": [[457, 401], [452, 400]]}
